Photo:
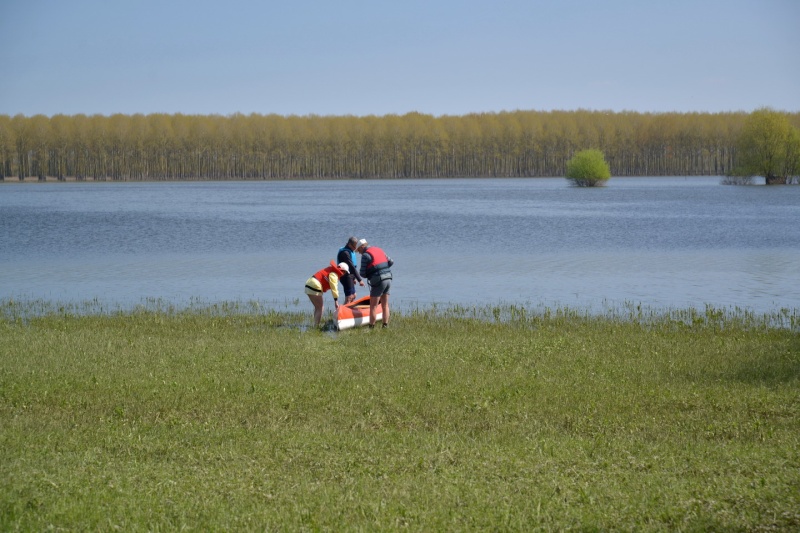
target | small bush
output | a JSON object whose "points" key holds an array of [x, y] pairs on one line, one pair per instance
{"points": [[588, 168]]}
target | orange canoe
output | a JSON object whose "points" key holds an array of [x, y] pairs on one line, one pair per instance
{"points": [[356, 313]]}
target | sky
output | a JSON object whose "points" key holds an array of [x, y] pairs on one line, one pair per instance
{"points": [[382, 57]]}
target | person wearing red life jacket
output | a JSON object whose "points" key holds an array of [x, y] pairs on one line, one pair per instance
{"points": [[323, 281], [376, 268]]}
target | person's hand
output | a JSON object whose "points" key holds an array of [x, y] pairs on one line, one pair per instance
{"points": [[361, 282]]}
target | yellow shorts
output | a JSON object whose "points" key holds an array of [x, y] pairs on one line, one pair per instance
{"points": [[313, 286]]}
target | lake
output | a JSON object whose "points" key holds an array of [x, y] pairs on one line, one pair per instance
{"points": [[662, 243]]}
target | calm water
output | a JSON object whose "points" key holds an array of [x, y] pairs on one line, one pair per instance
{"points": [[660, 242]]}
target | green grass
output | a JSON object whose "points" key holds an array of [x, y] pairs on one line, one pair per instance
{"points": [[452, 419]]}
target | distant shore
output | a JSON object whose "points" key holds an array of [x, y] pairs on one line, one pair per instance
{"points": [[90, 179]]}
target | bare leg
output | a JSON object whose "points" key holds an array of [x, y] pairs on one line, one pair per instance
{"points": [[373, 304], [385, 309], [319, 304]]}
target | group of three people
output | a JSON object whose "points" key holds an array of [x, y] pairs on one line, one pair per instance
{"points": [[375, 267]]}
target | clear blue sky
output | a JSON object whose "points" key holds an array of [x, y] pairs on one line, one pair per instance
{"points": [[376, 57]]}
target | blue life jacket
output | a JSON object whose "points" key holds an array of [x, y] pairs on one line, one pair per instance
{"points": [[353, 258]]}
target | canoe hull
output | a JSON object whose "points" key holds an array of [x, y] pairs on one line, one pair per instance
{"points": [[355, 314]]}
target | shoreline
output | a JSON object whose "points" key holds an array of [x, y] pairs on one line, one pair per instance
{"points": [[12, 309], [73, 179]]}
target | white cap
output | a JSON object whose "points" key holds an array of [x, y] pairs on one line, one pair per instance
{"points": [[362, 242], [344, 268]]}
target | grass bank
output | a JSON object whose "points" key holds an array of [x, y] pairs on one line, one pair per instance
{"points": [[453, 419]]}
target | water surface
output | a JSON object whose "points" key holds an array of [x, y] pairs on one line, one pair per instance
{"points": [[658, 242]]}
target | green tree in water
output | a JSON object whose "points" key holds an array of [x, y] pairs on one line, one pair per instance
{"points": [[768, 146], [588, 168]]}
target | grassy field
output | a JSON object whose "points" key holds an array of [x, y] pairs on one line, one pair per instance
{"points": [[449, 420]]}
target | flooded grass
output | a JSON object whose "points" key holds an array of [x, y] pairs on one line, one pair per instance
{"points": [[239, 417]]}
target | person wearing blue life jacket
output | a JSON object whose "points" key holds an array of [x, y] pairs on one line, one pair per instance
{"points": [[376, 267], [347, 255]]}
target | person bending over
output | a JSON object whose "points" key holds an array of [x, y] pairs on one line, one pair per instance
{"points": [[321, 282]]}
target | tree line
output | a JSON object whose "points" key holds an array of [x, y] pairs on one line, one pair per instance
{"points": [[507, 144]]}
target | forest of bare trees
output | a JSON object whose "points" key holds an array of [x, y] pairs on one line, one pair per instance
{"points": [[519, 143]]}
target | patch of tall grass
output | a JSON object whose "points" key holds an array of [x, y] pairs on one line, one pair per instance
{"points": [[236, 417]]}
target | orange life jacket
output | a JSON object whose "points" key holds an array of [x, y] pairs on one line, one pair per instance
{"points": [[322, 275]]}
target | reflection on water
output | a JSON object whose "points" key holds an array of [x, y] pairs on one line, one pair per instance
{"points": [[661, 242]]}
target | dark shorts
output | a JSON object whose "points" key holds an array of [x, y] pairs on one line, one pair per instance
{"points": [[380, 289], [348, 282]]}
